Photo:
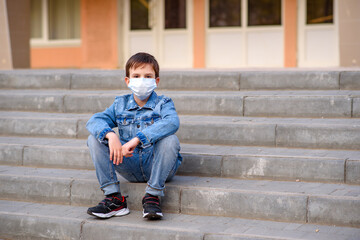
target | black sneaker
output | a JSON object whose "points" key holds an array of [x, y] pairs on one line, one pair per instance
{"points": [[110, 206], [151, 207]]}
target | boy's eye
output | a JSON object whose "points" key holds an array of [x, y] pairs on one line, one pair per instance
{"points": [[139, 76]]}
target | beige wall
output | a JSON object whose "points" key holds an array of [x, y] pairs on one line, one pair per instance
{"points": [[5, 49], [349, 32], [14, 34]]}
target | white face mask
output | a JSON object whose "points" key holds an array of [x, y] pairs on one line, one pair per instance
{"points": [[142, 87]]}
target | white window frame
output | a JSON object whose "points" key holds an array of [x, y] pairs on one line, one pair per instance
{"points": [[44, 41], [244, 29]]}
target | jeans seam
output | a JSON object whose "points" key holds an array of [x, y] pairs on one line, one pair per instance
{"points": [[112, 170], [141, 164]]}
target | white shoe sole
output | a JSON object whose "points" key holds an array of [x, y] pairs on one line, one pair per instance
{"points": [[152, 216], [119, 213]]}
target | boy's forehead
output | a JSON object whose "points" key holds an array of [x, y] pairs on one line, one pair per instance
{"points": [[142, 67]]}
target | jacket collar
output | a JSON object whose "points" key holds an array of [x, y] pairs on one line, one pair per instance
{"points": [[151, 102]]}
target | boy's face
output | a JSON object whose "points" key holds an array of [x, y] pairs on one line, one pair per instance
{"points": [[144, 71]]}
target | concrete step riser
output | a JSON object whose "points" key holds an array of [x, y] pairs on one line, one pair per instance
{"points": [[266, 206], [301, 80], [185, 80], [36, 221], [67, 128], [329, 170], [272, 135], [300, 106], [47, 227], [38, 227], [256, 106], [242, 133], [84, 79], [34, 80], [287, 207], [190, 104]]}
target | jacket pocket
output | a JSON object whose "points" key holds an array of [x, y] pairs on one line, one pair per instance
{"points": [[126, 127], [148, 121]]}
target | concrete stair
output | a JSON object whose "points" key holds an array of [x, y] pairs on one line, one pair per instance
{"points": [[219, 130], [71, 222], [268, 200], [267, 155], [239, 162], [299, 104]]}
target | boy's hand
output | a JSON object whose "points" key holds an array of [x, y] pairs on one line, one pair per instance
{"points": [[115, 148], [128, 148]]}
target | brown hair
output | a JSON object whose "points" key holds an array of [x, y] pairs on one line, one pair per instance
{"points": [[140, 59]]}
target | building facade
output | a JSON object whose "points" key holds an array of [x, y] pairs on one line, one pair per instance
{"points": [[195, 33]]}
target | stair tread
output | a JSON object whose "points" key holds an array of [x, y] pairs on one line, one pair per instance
{"points": [[265, 93], [191, 226], [193, 118], [220, 184], [300, 202], [204, 149]]}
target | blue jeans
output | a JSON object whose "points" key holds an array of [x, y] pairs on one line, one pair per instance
{"points": [[155, 165]]}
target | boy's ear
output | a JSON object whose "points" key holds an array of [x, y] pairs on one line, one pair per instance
{"points": [[127, 81], [157, 80]]}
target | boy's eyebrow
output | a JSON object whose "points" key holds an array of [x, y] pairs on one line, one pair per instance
{"points": [[149, 73]]}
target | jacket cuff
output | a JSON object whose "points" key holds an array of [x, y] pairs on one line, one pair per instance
{"points": [[143, 139], [102, 135]]}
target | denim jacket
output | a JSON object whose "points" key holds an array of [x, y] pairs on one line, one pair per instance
{"points": [[155, 120]]}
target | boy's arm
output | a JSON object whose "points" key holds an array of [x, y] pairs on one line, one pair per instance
{"points": [[102, 123], [167, 125]]}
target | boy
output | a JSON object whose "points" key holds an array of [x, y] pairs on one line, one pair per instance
{"points": [[147, 151]]}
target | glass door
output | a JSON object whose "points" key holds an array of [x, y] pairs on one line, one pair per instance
{"points": [[244, 33], [139, 31], [159, 27], [318, 33]]}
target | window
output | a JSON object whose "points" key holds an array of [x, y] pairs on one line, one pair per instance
{"points": [[259, 13], [36, 18], [225, 13], [55, 21], [64, 19], [139, 15], [264, 12], [175, 14], [319, 11]]}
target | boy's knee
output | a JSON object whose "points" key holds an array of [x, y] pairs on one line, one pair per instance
{"points": [[169, 142]]}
